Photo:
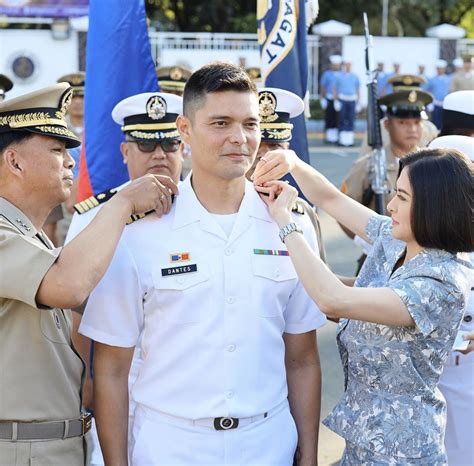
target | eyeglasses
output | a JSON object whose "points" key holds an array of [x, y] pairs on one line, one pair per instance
{"points": [[168, 145]]}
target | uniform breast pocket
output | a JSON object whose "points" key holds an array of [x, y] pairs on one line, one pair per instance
{"points": [[274, 280], [181, 292], [53, 325]]}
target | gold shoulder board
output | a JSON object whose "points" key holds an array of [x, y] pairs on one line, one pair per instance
{"points": [[93, 201]]}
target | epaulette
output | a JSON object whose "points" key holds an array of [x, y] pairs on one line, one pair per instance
{"points": [[135, 217], [93, 201], [298, 208]]}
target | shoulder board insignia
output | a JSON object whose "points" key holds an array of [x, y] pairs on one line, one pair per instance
{"points": [[298, 208], [93, 201], [135, 217]]}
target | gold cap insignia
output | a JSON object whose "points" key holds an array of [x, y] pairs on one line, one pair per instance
{"points": [[156, 107], [407, 80], [412, 96], [267, 103], [64, 103], [176, 74]]}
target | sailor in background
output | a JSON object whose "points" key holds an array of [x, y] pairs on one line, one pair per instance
{"points": [[439, 86], [463, 77], [347, 92], [327, 85], [172, 79]]}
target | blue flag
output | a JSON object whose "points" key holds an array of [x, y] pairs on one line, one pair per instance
{"points": [[118, 64], [284, 59]]}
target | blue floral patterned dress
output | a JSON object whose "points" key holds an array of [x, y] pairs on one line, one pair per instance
{"points": [[391, 411]]}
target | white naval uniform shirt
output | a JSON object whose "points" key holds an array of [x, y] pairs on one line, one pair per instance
{"points": [[211, 338]]}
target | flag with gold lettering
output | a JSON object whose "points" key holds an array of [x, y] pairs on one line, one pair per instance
{"points": [[283, 56]]}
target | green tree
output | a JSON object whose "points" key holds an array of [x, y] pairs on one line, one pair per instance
{"points": [[203, 15], [406, 17]]}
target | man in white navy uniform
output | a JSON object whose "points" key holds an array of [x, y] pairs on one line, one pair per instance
{"points": [[152, 145], [227, 331]]}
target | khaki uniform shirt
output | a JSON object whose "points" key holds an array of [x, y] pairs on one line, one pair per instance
{"points": [[40, 371], [462, 81], [357, 182]]}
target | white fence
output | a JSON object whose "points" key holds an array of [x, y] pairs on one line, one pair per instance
{"points": [[196, 49]]}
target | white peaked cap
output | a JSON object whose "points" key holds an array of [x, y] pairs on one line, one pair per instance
{"points": [[464, 144], [335, 59], [137, 105], [286, 101], [460, 101], [441, 63], [458, 62]]}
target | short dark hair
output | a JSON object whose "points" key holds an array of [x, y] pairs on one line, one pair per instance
{"points": [[442, 184], [13, 137], [214, 77]]}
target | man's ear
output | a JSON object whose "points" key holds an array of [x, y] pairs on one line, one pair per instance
{"points": [[124, 150], [184, 126], [12, 161], [386, 123]]}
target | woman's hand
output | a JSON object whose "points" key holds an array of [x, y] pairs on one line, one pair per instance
{"points": [[470, 337], [273, 165], [280, 198]]}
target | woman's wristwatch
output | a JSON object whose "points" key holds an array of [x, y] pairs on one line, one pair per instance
{"points": [[287, 229]]}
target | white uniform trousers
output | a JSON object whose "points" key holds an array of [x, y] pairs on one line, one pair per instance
{"points": [[457, 386], [162, 440]]}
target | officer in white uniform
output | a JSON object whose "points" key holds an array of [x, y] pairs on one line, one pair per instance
{"points": [[458, 114], [227, 332], [457, 380], [153, 146]]}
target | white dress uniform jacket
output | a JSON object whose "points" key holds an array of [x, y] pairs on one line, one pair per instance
{"points": [[211, 318], [457, 386]]}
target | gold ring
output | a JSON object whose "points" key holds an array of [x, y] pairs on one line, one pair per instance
{"points": [[263, 159]]}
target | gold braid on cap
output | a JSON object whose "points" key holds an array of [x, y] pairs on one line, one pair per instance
{"points": [[155, 135], [30, 119], [56, 130], [277, 134]]}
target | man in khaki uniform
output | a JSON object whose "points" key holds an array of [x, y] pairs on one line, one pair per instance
{"points": [[405, 114], [276, 107], [428, 129], [463, 78], [41, 372]]}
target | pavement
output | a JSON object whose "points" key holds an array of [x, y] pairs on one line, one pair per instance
{"points": [[334, 162]]}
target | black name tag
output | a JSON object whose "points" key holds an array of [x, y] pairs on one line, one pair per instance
{"points": [[179, 270]]}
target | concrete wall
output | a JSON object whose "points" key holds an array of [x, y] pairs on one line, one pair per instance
{"points": [[51, 58]]}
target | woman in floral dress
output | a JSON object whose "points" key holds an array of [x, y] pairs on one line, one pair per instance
{"points": [[399, 321]]}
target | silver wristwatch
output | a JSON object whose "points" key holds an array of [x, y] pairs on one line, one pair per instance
{"points": [[287, 229]]}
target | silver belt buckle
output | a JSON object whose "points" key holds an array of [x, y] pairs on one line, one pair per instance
{"points": [[225, 423]]}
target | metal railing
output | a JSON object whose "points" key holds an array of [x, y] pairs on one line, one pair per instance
{"points": [[238, 43]]}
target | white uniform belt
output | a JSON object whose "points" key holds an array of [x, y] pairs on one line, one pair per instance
{"points": [[347, 97], [437, 103], [215, 423]]}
